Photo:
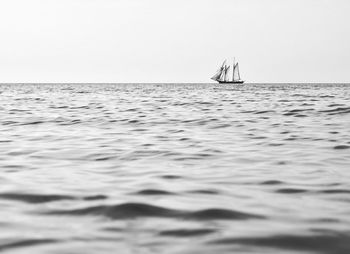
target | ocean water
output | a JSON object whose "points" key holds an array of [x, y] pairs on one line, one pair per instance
{"points": [[175, 168]]}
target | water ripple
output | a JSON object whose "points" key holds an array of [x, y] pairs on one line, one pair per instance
{"points": [[174, 168]]}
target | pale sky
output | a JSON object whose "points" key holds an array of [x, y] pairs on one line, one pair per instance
{"points": [[173, 40]]}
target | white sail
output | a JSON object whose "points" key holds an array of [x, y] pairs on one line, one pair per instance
{"points": [[217, 75], [236, 75], [222, 76], [227, 69], [219, 72]]}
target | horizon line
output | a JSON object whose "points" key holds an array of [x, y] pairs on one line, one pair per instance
{"points": [[145, 83]]}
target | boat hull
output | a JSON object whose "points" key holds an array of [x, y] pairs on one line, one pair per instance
{"points": [[232, 82]]}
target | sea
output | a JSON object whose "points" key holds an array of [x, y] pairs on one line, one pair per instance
{"points": [[174, 168]]}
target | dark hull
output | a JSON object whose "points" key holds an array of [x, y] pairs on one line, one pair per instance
{"points": [[232, 82]]}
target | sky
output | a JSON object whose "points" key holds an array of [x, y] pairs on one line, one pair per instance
{"points": [[140, 41]]}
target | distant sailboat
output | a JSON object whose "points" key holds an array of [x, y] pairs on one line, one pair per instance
{"points": [[222, 75]]}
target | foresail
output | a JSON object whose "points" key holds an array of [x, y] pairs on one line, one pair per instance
{"points": [[218, 75]]}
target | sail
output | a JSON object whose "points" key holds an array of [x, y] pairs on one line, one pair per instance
{"points": [[227, 68], [223, 74], [217, 75], [236, 75], [219, 72]]}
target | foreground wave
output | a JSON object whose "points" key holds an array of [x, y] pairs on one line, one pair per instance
{"points": [[135, 210], [336, 243]]}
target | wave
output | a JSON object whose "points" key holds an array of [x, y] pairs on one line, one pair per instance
{"points": [[25, 243], [290, 190], [153, 192], [340, 147], [336, 243], [187, 232], [272, 182], [135, 210], [206, 192], [339, 110], [41, 198]]}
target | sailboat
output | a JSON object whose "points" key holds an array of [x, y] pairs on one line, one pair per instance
{"points": [[222, 74]]}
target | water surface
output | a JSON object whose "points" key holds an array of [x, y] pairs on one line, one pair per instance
{"points": [[175, 168]]}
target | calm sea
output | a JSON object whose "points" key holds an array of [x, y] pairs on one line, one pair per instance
{"points": [[175, 168]]}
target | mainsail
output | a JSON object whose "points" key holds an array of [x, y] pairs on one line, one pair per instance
{"points": [[236, 75]]}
